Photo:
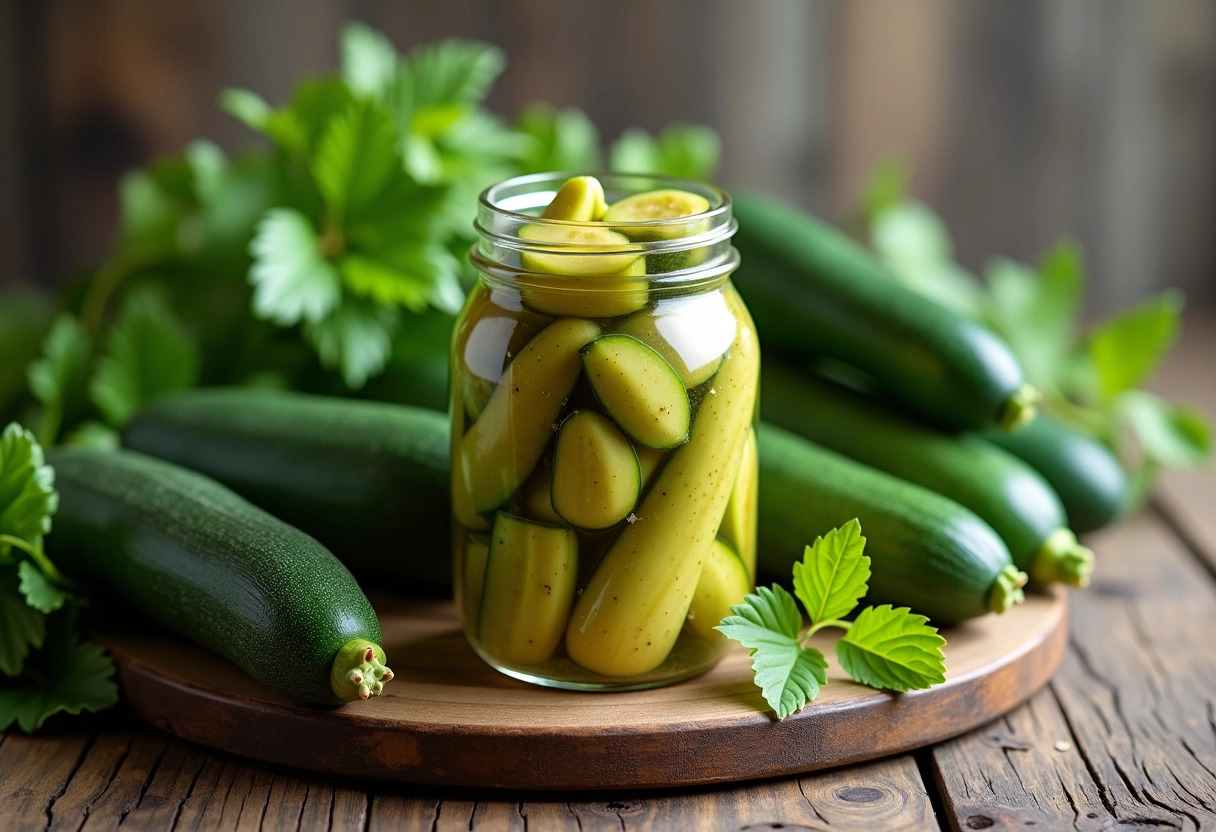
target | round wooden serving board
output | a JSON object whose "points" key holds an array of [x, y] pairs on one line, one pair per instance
{"points": [[448, 719]]}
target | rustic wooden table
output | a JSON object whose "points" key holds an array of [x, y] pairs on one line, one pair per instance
{"points": [[1124, 735]]}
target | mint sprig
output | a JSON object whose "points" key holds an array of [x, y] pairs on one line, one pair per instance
{"points": [[885, 647]]}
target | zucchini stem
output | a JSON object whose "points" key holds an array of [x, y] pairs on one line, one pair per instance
{"points": [[1061, 559], [1007, 589], [359, 671], [1019, 408]]}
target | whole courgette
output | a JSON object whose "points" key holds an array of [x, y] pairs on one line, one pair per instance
{"points": [[814, 293], [1088, 478], [926, 551], [1005, 492], [368, 480], [192, 555]]}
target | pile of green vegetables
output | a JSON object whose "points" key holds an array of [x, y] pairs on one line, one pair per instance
{"points": [[331, 261]]}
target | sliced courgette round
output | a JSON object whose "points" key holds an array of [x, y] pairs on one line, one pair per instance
{"points": [[652, 206], [596, 476], [639, 390]]}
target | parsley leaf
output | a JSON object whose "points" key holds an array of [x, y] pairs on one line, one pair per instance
{"points": [[833, 574], [21, 626], [788, 674], [71, 677], [1125, 349], [27, 488], [292, 280], [688, 151], [38, 591], [438, 83], [148, 355], [893, 649], [369, 62], [356, 157], [59, 379], [356, 339], [560, 139]]}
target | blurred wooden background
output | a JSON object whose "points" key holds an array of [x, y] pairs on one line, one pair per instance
{"points": [[1021, 119]]}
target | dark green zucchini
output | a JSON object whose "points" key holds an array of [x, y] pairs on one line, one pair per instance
{"points": [[926, 551], [1088, 478], [815, 293], [1005, 492], [369, 480], [192, 555]]}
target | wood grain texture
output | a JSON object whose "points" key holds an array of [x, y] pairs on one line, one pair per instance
{"points": [[449, 719], [1126, 733]]}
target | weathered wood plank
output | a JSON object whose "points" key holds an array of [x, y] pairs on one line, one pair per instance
{"points": [[96, 772], [1133, 706], [33, 772], [122, 794], [171, 784]]}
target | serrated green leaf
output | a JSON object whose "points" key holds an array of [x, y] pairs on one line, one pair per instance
{"points": [[684, 150], [914, 244], [38, 591], [564, 140], [59, 379], [369, 62], [833, 573], [767, 623], [72, 677], [1125, 349], [893, 649], [27, 487], [355, 339], [147, 356], [355, 157], [437, 83], [1174, 435], [313, 105], [292, 279], [21, 626], [409, 276]]}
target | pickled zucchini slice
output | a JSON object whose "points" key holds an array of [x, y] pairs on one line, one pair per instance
{"points": [[692, 333], [530, 577], [666, 204], [580, 199], [724, 581], [739, 522], [562, 249], [639, 390], [534, 496], [596, 476], [476, 552], [634, 606], [503, 446], [649, 461]]}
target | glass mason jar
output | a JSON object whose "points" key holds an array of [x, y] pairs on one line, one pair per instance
{"points": [[604, 381]]}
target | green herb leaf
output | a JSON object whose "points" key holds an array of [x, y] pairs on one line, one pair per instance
{"points": [[1175, 435], [39, 592], [59, 379], [355, 158], [208, 167], [683, 150], [408, 276], [885, 189], [913, 243], [369, 62], [437, 83], [247, 107], [72, 677], [356, 339], [561, 139], [21, 626], [148, 355], [788, 674], [893, 649], [27, 487], [292, 279], [1125, 349], [833, 573]]}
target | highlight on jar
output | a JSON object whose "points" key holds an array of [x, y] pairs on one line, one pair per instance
{"points": [[604, 381]]}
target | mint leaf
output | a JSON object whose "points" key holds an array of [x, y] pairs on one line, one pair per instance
{"points": [[683, 150], [147, 356], [39, 592], [833, 573], [893, 649], [1125, 349], [292, 280], [355, 157], [72, 677], [27, 488], [1175, 435], [21, 626], [59, 379], [788, 674], [369, 62], [355, 339], [560, 139]]}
